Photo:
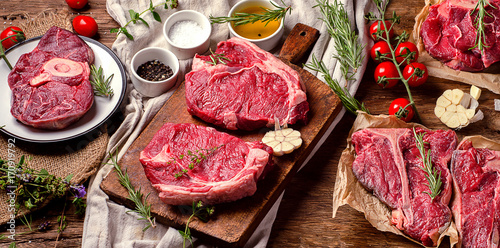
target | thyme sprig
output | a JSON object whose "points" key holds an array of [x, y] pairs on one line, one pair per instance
{"points": [[349, 49], [100, 83], [195, 157], [349, 102], [433, 176], [267, 16], [384, 35], [33, 187], [141, 206], [217, 58], [202, 212], [479, 23], [136, 17]]}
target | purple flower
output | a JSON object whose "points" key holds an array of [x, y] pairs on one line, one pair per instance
{"points": [[78, 190]]}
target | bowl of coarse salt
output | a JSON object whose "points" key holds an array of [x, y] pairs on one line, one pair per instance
{"points": [[187, 33]]}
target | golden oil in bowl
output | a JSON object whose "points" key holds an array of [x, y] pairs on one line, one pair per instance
{"points": [[258, 29]]}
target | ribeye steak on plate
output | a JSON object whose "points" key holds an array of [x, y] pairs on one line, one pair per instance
{"points": [[50, 85], [228, 171], [247, 91]]}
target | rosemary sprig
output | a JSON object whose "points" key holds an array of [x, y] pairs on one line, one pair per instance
{"points": [[349, 102], [245, 18], [203, 212], [349, 49], [479, 23], [141, 207], [217, 58], [433, 176], [195, 157], [101, 84], [135, 17]]}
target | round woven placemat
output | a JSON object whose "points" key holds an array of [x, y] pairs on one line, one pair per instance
{"points": [[80, 157]]}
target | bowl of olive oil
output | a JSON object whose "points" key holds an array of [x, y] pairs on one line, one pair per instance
{"points": [[264, 34]]}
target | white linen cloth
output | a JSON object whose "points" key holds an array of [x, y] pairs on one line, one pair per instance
{"points": [[108, 224]]}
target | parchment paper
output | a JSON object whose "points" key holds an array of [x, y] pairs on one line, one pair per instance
{"points": [[486, 80], [348, 190]]}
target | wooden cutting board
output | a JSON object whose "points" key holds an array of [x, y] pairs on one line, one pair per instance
{"points": [[233, 223]]}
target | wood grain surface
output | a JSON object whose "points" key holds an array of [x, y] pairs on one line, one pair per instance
{"points": [[304, 216]]}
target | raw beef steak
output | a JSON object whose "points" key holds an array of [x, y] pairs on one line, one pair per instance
{"points": [[389, 164], [246, 92], [449, 35], [476, 203], [50, 85], [228, 172]]}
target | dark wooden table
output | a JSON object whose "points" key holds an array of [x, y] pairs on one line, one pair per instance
{"points": [[305, 215]]}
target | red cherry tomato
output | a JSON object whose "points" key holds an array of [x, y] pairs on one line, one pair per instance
{"points": [[378, 25], [406, 49], [397, 108], [9, 31], [381, 47], [386, 74], [85, 25], [416, 74], [76, 4]]}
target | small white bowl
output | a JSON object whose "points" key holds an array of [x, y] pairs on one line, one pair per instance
{"points": [[266, 43], [187, 33], [154, 88]]}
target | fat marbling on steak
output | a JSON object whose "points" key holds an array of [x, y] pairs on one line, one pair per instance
{"points": [[449, 34], [50, 85], [389, 165], [476, 202], [247, 91], [229, 170]]}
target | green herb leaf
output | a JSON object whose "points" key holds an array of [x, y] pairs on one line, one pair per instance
{"points": [[156, 16]]}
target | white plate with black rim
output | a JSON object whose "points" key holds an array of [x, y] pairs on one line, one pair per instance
{"points": [[102, 109]]}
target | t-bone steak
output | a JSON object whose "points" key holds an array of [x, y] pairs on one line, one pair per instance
{"points": [[227, 170], [246, 91], [449, 34], [389, 165], [476, 202], [50, 85]]}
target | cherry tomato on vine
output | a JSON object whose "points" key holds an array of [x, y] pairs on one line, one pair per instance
{"points": [[386, 74], [378, 25], [381, 47], [9, 31], [416, 74], [406, 49], [85, 25], [398, 105], [76, 4]]}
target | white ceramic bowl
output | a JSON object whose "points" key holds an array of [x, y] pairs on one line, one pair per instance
{"points": [[154, 88], [266, 43], [187, 33]]}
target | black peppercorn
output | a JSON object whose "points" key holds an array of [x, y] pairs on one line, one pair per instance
{"points": [[154, 70]]}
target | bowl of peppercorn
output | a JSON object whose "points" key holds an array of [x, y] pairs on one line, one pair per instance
{"points": [[154, 71]]}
